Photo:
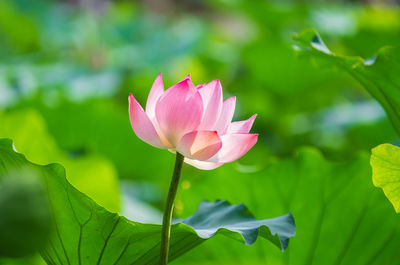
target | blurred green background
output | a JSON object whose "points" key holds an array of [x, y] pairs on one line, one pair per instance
{"points": [[67, 67]]}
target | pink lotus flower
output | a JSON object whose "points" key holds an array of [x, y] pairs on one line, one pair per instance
{"points": [[193, 121]]}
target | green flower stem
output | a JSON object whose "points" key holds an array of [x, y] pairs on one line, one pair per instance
{"points": [[169, 206]]}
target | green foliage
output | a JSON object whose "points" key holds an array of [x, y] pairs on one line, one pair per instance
{"points": [[21, 36], [93, 175], [102, 127], [379, 75], [340, 217], [86, 233], [385, 162]]}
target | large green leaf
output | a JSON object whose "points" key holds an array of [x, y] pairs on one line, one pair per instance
{"points": [[379, 75], [340, 217], [86, 233], [385, 162]]}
